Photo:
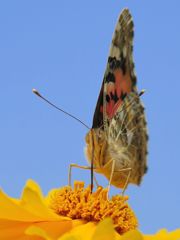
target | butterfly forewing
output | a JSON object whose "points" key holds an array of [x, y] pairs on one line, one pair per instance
{"points": [[119, 78]]}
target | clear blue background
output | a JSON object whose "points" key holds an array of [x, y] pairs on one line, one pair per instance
{"points": [[61, 48]]}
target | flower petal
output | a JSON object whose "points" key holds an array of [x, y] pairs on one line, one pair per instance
{"points": [[93, 231], [165, 235], [32, 200], [55, 229], [30, 208], [104, 231], [132, 235], [14, 230], [36, 231], [10, 210], [85, 231]]}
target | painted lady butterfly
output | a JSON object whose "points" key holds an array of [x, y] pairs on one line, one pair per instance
{"points": [[117, 141], [116, 145]]}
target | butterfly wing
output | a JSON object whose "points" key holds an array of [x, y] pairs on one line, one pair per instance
{"points": [[119, 113], [119, 78]]}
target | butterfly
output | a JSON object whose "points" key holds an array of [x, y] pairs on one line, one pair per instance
{"points": [[116, 145], [117, 141]]}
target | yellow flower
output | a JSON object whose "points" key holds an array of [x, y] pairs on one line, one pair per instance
{"points": [[70, 214], [80, 203]]}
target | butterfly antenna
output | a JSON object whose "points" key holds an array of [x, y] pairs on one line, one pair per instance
{"points": [[142, 92], [70, 115]]}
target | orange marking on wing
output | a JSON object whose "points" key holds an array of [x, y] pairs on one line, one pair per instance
{"points": [[122, 82], [123, 85], [111, 109]]}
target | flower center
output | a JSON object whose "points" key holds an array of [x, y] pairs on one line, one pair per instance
{"points": [[80, 203]]}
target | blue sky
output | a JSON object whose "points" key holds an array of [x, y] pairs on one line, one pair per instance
{"points": [[61, 48]]}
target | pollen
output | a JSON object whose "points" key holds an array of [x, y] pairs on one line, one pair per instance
{"points": [[80, 203]]}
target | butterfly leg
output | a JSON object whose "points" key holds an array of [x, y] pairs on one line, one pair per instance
{"points": [[127, 179], [110, 179], [98, 153], [81, 167]]}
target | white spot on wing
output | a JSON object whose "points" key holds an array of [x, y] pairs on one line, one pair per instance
{"points": [[115, 52]]}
